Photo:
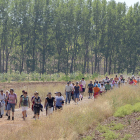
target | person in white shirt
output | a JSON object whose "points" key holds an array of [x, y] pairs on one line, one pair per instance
{"points": [[68, 90], [84, 85], [102, 89], [2, 103]]}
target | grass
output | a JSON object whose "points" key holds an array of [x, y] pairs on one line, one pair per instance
{"points": [[74, 120]]}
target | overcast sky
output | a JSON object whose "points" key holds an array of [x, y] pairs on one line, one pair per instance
{"points": [[128, 2]]}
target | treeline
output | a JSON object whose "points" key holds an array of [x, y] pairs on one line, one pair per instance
{"points": [[53, 36]]}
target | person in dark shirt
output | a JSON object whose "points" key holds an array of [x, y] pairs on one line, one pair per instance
{"points": [[49, 104], [76, 93], [90, 89]]}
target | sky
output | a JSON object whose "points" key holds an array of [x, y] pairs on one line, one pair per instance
{"points": [[128, 2]]}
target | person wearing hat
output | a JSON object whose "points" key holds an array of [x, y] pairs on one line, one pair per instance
{"points": [[49, 104], [96, 91], [12, 101], [68, 90], [107, 86], [2, 103]]}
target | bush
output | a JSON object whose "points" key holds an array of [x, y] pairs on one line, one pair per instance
{"points": [[124, 110], [136, 107], [110, 135]]}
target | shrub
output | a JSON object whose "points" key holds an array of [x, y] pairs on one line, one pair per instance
{"points": [[110, 135], [124, 110], [102, 129], [136, 107], [118, 126]]}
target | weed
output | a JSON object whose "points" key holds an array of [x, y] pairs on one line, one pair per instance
{"points": [[102, 129], [127, 137], [110, 135], [129, 122], [118, 126]]}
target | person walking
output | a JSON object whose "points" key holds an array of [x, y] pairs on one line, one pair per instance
{"points": [[6, 102], [68, 90], [96, 91], [37, 105], [84, 86], [2, 103], [12, 102], [59, 101], [107, 86], [90, 90], [23, 91], [76, 92], [24, 103], [49, 104]]}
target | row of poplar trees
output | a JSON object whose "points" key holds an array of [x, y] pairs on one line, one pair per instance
{"points": [[50, 36]]}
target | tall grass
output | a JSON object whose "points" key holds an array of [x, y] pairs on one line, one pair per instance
{"points": [[74, 120]]}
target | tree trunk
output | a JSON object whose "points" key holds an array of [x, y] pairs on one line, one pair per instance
{"points": [[7, 57], [43, 65], [0, 62], [3, 60]]}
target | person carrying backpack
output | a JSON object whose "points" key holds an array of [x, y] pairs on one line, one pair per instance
{"points": [[49, 104], [24, 103], [37, 105]]}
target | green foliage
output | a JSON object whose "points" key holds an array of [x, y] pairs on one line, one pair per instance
{"points": [[127, 137], [136, 107], [127, 110], [88, 138], [110, 135], [102, 129], [118, 126], [123, 111], [68, 36]]}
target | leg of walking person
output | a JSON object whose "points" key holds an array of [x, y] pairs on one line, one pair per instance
{"points": [[2, 110], [66, 97], [69, 97]]}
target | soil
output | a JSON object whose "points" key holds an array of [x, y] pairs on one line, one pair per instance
{"points": [[131, 126]]}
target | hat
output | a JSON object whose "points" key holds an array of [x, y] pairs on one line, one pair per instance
{"points": [[67, 82], [96, 85]]}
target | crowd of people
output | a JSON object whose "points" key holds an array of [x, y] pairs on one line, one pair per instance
{"points": [[73, 91]]}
